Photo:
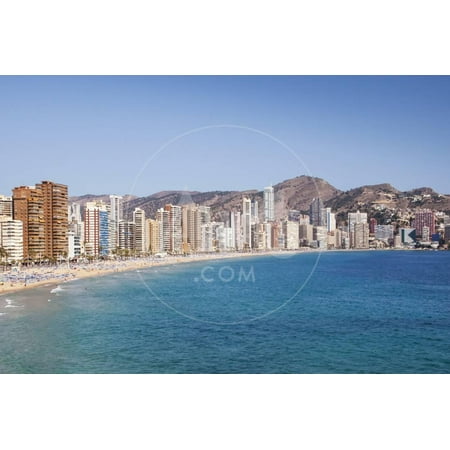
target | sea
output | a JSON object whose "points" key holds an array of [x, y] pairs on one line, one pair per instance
{"points": [[330, 312]]}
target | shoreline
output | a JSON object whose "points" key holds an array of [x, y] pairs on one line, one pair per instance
{"points": [[63, 274], [53, 276]]}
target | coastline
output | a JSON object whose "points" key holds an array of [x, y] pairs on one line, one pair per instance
{"points": [[53, 276], [64, 274]]}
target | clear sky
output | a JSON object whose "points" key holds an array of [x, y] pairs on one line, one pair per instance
{"points": [[97, 133]]}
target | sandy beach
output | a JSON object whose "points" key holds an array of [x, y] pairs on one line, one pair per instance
{"points": [[35, 276]]}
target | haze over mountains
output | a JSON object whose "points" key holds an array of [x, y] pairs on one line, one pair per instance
{"points": [[295, 193]]}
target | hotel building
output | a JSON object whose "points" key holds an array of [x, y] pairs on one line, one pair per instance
{"points": [[317, 213], [96, 228], [290, 232], [28, 207], [55, 198], [139, 237], [175, 230], [247, 223], [116, 216], [162, 216], [11, 238], [424, 218], [127, 236], [269, 204], [153, 236]]}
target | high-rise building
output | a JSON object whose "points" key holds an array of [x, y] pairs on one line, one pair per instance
{"points": [[55, 205], [162, 216], [127, 236], [139, 236], [116, 216], [277, 236], [193, 217], [306, 234], [424, 218], [357, 217], [320, 237], [247, 223], [330, 220], [175, 230], [235, 223], [207, 237], [359, 235], [153, 236], [6, 206], [96, 228], [317, 213], [268, 235], [269, 204], [28, 207], [11, 238], [290, 232]]}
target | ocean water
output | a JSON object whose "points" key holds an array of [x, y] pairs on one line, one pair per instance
{"points": [[335, 312]]}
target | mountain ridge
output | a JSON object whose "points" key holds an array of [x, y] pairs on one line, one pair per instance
{"points": [[291, 194]]}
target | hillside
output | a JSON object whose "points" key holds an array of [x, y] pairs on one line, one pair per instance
{"points": [[296, 193]]}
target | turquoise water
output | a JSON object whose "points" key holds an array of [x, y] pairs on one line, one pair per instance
{"points": [[360, 312]]}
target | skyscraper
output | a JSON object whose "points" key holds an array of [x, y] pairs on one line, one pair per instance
{"points": [[316, 213], [127, 235], [153, 236], [162, 216], [116, 215], [247, 223], [330, 220], [291, 234], [359, 236], [28, 207], [175, 234], [269, 204], [193, 217], [96, 228], [235, 224], [56, 224], [139, 236], [43, 212]]}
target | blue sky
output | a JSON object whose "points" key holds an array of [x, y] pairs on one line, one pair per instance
{"points": [[100, 134]]}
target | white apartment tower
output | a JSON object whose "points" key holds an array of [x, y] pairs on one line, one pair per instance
{"points": [[116, 216], [11, 238], [139, 233], [247, 223], [330, 220], [269, 204]]}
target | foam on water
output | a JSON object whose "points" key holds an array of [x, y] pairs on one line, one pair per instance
{"points": [[10, 304], [56, 290]]}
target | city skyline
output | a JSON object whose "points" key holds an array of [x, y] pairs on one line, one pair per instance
{"points": [[39, 222], [99, 132]]}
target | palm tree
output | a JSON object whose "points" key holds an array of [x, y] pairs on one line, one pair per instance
{"points": [[3, 255]]}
